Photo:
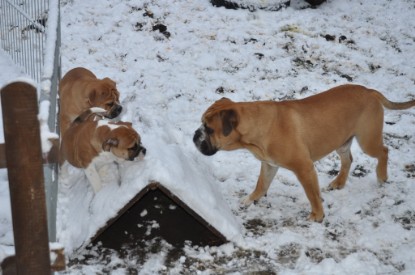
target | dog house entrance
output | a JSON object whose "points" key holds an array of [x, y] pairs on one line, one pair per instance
{"points": [[155, 212]]}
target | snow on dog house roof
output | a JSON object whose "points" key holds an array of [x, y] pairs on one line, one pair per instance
{"points": [[164, 195]]}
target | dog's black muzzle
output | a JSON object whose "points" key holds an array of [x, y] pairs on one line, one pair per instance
{"points": [[115, 111], [203, 144], [136, 151]]}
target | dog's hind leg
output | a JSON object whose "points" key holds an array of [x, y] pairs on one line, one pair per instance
{"points": [[374, 147], [346, 161], [265, 178], [370, 139]]}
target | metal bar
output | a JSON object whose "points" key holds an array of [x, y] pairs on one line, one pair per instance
{"points": [[27, 16], [24, 35], [52, 73], [30, 46], [27, 193]]}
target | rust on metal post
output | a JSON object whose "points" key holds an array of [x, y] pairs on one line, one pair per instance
{"points": [[51, 157], [3, 163], [26, 182]]}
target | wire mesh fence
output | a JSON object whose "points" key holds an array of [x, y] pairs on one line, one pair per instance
{"points": [[30, 34], [23, 25]]}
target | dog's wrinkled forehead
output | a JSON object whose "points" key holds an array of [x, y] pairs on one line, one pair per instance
{"points": [[127, 135], [103, 93], [215, 108], [110, 91]]}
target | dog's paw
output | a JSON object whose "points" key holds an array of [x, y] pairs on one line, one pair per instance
{"points": [[383, 182], [327, 188], [246, 201], [334, 186], [316, 217]]}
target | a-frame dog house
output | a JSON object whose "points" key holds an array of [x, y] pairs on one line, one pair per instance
{"points": [[164, 196], [157, 212]]}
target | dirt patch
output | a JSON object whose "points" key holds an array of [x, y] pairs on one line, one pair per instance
{"points": [[410, 170], [360, 171], [288, 254], [258, 226], [407, 220], [315, 254]]}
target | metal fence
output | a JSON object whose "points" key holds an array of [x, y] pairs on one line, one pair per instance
{"points": [[23, 25], [30, 34]]}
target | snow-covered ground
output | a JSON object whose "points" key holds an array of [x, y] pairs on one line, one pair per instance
{"points": [[171, 59]]}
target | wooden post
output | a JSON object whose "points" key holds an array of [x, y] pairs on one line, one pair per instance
{"points": [[26, 182]]}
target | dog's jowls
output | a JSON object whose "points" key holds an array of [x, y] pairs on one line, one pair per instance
{"points": [[80, 90], [92, 141], [294, 134]]}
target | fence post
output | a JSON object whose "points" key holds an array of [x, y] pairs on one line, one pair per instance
{"points": [[26, 182], [50, 85]]}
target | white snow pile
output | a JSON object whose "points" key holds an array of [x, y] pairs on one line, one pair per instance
{"points": [[172, 59], [82, 213]]}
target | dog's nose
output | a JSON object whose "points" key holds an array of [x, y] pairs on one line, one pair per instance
{"points": [[117, 110], [143, 150], [197, 136]]}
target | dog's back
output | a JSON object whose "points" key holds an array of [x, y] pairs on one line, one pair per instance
{"points": [[72, 76], [76, 145]]}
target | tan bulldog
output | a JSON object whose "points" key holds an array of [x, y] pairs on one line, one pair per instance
{"points": [[92, 141], [294, 134], [80, 90]]}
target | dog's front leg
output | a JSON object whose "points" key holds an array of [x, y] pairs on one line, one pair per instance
{"points": [[265, 178], [93, 177], [307, 176]]}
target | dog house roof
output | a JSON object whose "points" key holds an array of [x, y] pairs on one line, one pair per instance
{"points": [[83, 216]]}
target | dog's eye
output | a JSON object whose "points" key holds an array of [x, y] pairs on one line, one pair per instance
{"points": [[110, 104], [134, 148], [209, 131]]}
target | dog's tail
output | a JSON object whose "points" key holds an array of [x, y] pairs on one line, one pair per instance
{"points": [[392, 105]]}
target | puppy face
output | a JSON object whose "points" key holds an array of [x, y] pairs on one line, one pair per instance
{"points": [[104, 94], [218, 129], [124, 142]]}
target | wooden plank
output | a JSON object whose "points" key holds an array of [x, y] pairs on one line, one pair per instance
{"points": [[25, 172]]}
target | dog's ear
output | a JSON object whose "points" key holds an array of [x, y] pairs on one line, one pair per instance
{"points": [[110, 81], [106, 145], [92, 97], [224, 99], [229, 121]]}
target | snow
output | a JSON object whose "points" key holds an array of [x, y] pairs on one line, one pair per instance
{"points": [[45, 134], [168, 79], [50, 44], [164, 163]]}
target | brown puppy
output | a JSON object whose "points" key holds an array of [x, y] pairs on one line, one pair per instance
{"points": [[92, 141], [294, 134], [80, 90]]}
